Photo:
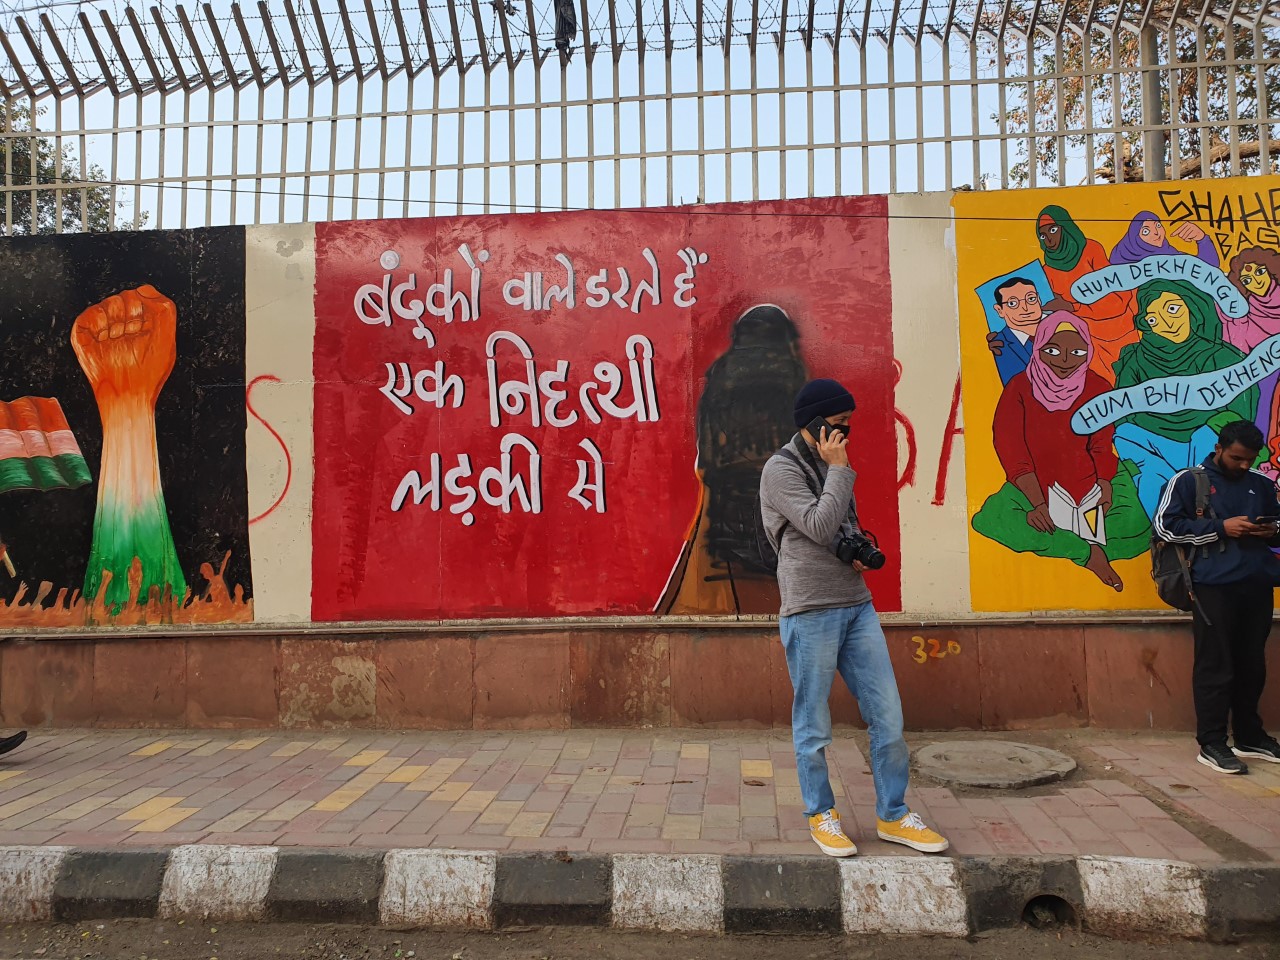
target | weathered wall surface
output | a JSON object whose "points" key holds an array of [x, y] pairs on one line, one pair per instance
{"points": [[559, 415]]}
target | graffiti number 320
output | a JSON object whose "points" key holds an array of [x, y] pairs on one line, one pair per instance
{"points": [[933, 648]]}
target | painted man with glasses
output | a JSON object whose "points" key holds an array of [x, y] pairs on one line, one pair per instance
{"points": [[1019, 306]]}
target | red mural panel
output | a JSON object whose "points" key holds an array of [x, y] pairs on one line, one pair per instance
{"points": [[507, 408]]}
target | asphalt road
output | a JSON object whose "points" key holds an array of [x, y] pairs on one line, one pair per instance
{"points": [[154, 940]]}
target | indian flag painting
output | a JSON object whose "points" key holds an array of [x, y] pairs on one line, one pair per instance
{"points": [[38, 451]]}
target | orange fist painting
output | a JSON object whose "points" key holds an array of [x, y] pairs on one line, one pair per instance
{"points": [[127, 347]]}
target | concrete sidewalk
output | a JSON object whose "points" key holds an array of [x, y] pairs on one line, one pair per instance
{"points": [[613, 823]]}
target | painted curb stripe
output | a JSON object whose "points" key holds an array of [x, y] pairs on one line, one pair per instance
{"points": [[458, 889], [217, 882]]}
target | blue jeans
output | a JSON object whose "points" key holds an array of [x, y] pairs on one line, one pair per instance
{"points": [[819, 643], [1158, 458]]}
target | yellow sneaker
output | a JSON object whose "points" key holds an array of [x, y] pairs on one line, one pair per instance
{"points": [[826, 833], [911, 831]]}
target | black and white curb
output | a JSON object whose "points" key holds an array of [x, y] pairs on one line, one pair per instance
{"points": [[458, 889]]}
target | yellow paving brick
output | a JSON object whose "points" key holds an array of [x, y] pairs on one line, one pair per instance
{"points": [[695, 751], [247, 744], [10, 774], [57, 789], [287, 810], [234, 821], [151, 749], [134, 797], [473, 801], [623, 781], [81, 808], [678, 827], [150, 808], [501, 811], [786, 777], [165, 821], [365, 758], [757, 768], [450, 791], [209, 749], [365, 781], [292, 749], [528, 825], [387, 765], [438, 773], [405, 774], [788, 796], [341, 799]]}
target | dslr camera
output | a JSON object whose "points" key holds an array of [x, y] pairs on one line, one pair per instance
{"points": [[859, 549]]}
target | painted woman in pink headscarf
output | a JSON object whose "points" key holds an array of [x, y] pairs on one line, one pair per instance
{"points": [[1255, 272], [1067, 495]]}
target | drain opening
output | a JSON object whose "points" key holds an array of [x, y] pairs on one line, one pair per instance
{"points": [[1048, 910]]}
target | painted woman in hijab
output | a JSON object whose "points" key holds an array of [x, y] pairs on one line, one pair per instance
{"points": [[1067, 495], [1181, 335], [1068, 256], [1147, 237], [1255, 272]]}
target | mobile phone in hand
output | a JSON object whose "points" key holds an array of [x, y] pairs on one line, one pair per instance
{"points": [[818, 424]]}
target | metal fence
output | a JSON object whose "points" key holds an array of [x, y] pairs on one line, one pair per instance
{"points": [[310, 110]]}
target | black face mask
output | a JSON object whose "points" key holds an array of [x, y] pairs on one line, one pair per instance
{"points": [[842, 428]]}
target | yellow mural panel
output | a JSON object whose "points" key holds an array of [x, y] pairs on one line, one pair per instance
{"points": [[1106, 334]]}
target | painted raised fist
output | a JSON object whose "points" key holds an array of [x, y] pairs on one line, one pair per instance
{"points": [[127, 343]]}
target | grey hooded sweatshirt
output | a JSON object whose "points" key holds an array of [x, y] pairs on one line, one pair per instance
{"points": [[810, 576]]}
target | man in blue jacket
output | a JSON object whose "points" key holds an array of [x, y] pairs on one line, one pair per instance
{"points": [[1235, 574]]}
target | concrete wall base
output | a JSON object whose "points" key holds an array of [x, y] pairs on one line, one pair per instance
{"points": [[992, 677]]}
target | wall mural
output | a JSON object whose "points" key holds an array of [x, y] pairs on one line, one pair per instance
{"points": [[122, 430], [566, 414], [1125, 326]]}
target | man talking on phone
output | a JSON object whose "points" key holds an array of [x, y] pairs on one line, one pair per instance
{"points": [[1234, 574], [827, 620]]}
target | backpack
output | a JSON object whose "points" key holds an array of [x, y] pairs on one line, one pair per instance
{"points": [[764, 546], [1171, 562]]}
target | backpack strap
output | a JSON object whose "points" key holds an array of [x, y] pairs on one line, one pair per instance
{"points": [[785, 452], [1204, 508]]}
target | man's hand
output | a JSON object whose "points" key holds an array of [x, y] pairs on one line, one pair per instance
{"points": [[1039, 519], [1244, 527], [994, 343], [831, 448], [860, 567]]}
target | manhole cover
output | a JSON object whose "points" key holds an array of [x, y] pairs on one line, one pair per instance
{"points": [[999, 764]]}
